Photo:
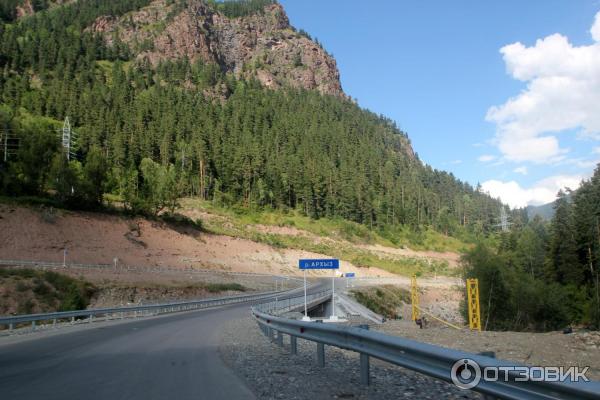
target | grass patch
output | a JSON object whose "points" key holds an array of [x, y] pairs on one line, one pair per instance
{"points": [[335, 237], [176, 219], [44, 291], [383, 300], [335, 228], [30, 201]]}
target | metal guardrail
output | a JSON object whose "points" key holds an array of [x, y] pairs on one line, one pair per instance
{"points": [[434, 361], [130, 311], [286, 304], [132, 268]]}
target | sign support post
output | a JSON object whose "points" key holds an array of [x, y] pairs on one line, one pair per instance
{"points": [[306, 317], [333, 264], [333, 317]]}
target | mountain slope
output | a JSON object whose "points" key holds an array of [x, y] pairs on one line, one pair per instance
{"points": [[165, 110], [262, 45]]}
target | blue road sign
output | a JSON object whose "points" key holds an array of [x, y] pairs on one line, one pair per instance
{"points": [[319, 264], [350, 274]]}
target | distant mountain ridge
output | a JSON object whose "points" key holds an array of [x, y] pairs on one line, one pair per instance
{"points": [[544, 211]]}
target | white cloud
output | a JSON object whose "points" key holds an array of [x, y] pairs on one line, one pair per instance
{"points": [[595, 31], [562, 93], [580, 162], [456, 162], [521, 170], [486, 158], [596, 150], [587, 163], [541, 192]]}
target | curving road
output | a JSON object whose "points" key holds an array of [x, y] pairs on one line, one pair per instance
{"points": [[167, 357]]}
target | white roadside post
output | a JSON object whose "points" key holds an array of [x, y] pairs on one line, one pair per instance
{"points": [[65, 257]]}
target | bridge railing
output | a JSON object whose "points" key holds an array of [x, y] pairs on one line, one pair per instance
{"points": [[285, 304], [434, 361]]}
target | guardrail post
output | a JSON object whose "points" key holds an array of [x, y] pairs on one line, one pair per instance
{"points": [[11, 326], [54, 323], [365, 378], [491, 354], [279, 338], [33, 325], [320, 351], [320, 354], [294, 344], [91, 317]]}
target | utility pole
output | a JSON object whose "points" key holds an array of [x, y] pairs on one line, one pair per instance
{"points": [[596, 282], [597, 275]]}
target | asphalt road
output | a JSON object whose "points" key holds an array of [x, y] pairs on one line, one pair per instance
{"points": [[168, 357]]}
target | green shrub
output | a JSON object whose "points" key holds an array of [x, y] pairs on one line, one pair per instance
{"points": [[222, 287], [181, 220], [51, 290]]}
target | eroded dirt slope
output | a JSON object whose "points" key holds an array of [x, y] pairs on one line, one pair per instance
{"points": [[91, 238]]}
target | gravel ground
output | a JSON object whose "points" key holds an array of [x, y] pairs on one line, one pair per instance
{"points": [[272, 373], [580, 348]]}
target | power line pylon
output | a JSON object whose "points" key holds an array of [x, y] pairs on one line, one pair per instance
{"points": [[9, 143], [504, 222], [66, 137]]}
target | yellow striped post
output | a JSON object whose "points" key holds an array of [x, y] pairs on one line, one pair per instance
{"points": [[473, 302], [414, 297]]}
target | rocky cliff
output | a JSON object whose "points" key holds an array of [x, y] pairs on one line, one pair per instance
{"points": [[262, 45]]}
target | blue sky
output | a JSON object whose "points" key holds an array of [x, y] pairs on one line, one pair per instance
{"points": [[436, 68]]}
